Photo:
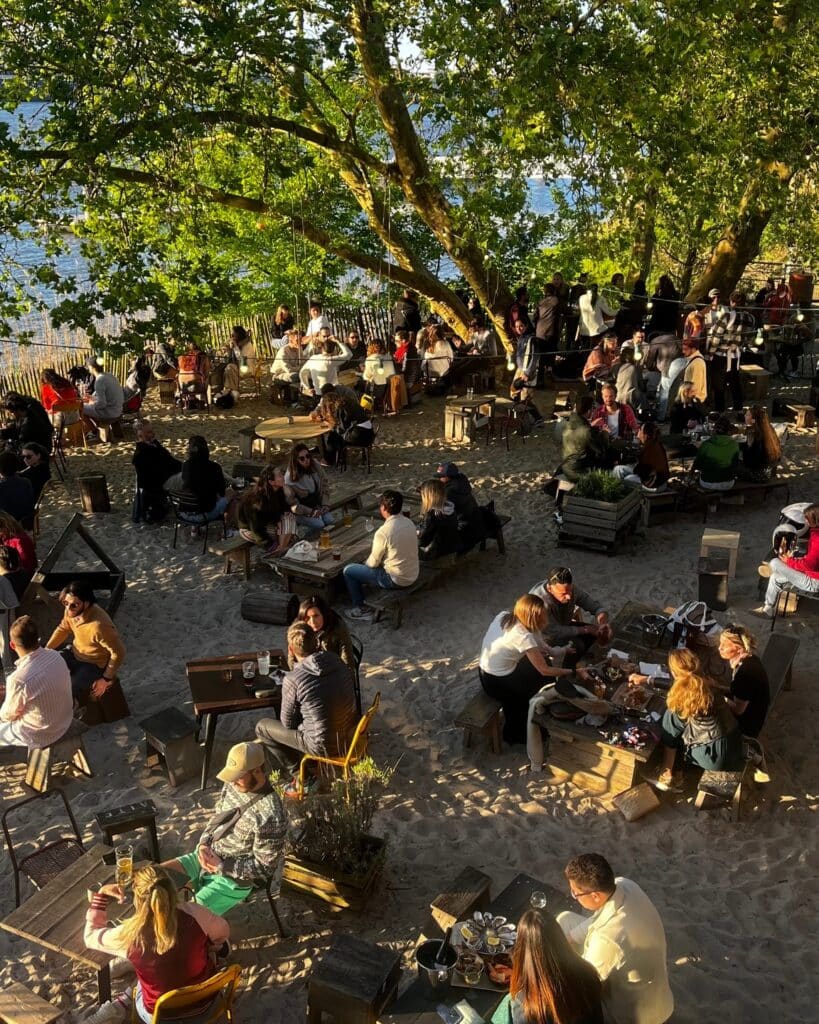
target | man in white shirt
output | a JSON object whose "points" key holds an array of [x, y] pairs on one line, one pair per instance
{"points": [[38, 706], [393, 560], [328, 356], [317, 320], [624, 940], [108, 398]]}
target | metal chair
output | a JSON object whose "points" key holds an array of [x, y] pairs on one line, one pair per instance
{"points": [[183, 504], [266, 884], [365, 450], [355, 752], [220, 989], [358, 655], [48, 861]]}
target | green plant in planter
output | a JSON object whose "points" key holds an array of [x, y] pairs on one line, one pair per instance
{"points": [[598, 485], [335, 824]]}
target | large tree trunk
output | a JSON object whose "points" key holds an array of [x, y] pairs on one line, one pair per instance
{"points": [[642, 248], [415, 175], [740, 241]]}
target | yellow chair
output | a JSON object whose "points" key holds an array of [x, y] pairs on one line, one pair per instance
{"points": [[221, 988], [356, 750]]}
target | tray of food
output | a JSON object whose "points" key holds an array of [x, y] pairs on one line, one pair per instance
{"points": [[632, 698], [483, 943]]}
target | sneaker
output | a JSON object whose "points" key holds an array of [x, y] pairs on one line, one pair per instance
{"points": [[112, 1012], [359, 613], [557, 515], [763, 612], [667, 782]]}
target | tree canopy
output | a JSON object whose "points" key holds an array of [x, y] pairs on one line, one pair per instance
{"points": [[211, 155]]}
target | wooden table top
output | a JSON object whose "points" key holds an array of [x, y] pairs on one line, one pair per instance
{"points": [[462, 402], [353, 542], [211, 692], [54, 917], [416, 1007], [279, 428]]}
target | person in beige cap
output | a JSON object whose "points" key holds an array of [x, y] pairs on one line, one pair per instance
{"points": [[244, 840]]}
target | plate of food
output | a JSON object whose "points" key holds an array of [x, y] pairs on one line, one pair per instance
{"points": [[632, 698]]}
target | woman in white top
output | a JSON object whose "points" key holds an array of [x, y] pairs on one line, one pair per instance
{"points": [[378, 366], [513, 664], [594, 311], [436, 352], [323, 365]]}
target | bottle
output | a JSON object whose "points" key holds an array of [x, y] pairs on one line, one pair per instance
{"points": [[348, 517], [324, 540]]}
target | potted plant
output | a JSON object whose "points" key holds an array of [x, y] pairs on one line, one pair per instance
{"points": [[333, 856], [599, 509]]}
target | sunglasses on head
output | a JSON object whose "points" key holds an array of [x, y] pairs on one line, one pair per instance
{"points": [[560, 576]]}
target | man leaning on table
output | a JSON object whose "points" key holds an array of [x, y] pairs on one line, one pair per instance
{"points": [[392, 562], [624, 940], [243, 842]]}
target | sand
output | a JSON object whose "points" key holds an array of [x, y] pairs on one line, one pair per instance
{"points": [[738, 901]]}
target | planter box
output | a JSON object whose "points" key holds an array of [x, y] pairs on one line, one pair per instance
{"points": [[601, 522], [326, 883]]}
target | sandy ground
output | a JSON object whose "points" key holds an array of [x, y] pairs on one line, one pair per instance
{"points": [[738, 901]]}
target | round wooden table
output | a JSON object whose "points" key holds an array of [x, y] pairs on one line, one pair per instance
{"points": [[280, 430]]}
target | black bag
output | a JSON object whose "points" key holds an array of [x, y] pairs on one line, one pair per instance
{"points": [[225, 401]]}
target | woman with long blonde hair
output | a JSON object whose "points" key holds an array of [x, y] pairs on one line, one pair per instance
{"points": [[438, 530], [762, 449], [514, 662], [696, 721], [551, 983], [168, 943], [750, 693]]}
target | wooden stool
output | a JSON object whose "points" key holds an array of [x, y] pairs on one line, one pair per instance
{"points": [[117, 820], [234, 549], [466, 893], [68, 749], [167, 392], [18, 1005], [805, 415], [721, 540], [170, 740], [482, 715], [353, 982]]}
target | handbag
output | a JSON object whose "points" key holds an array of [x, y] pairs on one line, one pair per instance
{"points": [[693, 619], [303, 551]]}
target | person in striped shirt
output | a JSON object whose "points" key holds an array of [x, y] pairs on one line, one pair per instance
{"points": [[37, 707]]}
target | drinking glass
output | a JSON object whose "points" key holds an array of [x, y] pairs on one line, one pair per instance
{"points": [[538, 900], [125, 864], [472, 974], [263, 658], [348, 517], [369, 525], [248, 670]]}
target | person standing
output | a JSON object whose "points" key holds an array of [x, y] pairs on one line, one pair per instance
{"points": [[393, 561], [694, 373], [595, 315], [624, 940], [406, 315], [518, 310], [547, 326], [37, 707], [318, 711], [729, 332]]}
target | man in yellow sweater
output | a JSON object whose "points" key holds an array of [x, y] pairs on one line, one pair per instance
{"points": [[96, 649]]}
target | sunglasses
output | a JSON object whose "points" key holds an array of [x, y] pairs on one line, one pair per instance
{"points": [[303, 458], [560, 576]]}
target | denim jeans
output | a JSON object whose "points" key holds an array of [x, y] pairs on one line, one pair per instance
{"points": [[781, 574], [198, 518], [356, 574], [316, 522]]}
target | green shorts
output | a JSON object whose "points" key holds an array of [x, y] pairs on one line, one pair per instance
{"points": [[216, 892]]}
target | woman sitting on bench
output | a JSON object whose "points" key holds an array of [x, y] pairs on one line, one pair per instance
{"points": [[438, 530], [263, 515], [305, 488], [514, 662], [801, 574], [696, 721], [762, 451]]}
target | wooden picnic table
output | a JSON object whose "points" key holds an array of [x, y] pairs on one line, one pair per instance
{"points": [[54, 917], [290, 429], [580, 751], [214, 695], [415, 1006], [351, 543]]}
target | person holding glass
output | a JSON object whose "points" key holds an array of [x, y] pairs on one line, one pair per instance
{"points": [[168, 943], [306, 489]]}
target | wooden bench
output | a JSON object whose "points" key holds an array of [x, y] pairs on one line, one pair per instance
{"points": [[481, 715], [68, 749], [805, 415], [393, 600], [234, 549], [468, 892], [712, 500], [778, 658], [19, 1005]]}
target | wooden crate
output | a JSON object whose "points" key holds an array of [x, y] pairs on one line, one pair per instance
{"points": [[601, 770], [601, 522], [754, 382]]}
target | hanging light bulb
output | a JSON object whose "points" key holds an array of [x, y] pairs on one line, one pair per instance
{"points": [[759, 342], [244, 369], [649, 304], [800, 317]]}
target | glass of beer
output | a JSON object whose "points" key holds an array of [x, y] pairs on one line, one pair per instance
{"points": [[125, 864], [263, 658], [348, 517]]}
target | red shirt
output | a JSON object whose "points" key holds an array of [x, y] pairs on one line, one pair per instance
{"points": [[809, 565], [24, 546], [187, 963], [49, 396]]}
